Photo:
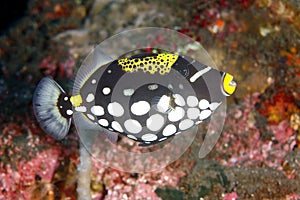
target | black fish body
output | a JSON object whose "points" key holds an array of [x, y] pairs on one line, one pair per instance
{"points": [[148, 97]]}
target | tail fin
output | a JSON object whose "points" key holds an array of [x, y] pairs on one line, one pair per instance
{"points": [[47, 110]]}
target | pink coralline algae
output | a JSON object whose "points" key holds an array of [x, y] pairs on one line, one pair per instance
{"points": [[293, 197], [243, 143], [123, 185], [43, 165], [283, 133], [230, 196], [23, 160], [52, 67], [16, 183]]}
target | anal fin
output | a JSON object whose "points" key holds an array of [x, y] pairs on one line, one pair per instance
{"points": [[111, 136]]}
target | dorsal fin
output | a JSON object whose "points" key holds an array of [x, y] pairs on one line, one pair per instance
{"points": [[96, 59]]}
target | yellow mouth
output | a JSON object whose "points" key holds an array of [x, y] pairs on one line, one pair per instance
{"points": [[229, 85]]}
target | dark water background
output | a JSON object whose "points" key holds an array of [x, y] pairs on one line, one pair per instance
{"points": [[10, 12]]}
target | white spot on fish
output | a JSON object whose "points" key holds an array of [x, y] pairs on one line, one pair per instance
{"points": [[97, 110], [91, 117], [128, 92], [94, 81], [192, 101], [204, 114], [90, 97], [103, 122], [69, 112], [132, 137], [180, 86], [162, 139], [106, 90], [80, 109], [115, 109], [199, 73], [186, 124], [169, 130], [140, 108], [214, 105], [193, 113], [179, 100], [163, 104], [66, 98], [133, 126], [203, 104], [115, 125], [176, 114], [198, 122], [178, 133], [152, 87], [149, 137], [155, 122]]}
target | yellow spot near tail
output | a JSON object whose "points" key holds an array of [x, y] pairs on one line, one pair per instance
{"points": [[76, 100], [160, 63]]}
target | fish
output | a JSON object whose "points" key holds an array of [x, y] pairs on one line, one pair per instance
{"points": [[148, 97]]}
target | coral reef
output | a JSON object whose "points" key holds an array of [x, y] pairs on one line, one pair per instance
{"points": [[257, 155]]}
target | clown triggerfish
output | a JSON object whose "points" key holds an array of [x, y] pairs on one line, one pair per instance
{"points": [[147, 98]]}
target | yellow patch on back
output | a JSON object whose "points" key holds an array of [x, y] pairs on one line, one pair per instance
{"points": [[161, 63], [76, 100]]}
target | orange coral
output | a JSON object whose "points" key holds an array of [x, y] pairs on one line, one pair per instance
{"points": [[280, 107], [292, 57]]}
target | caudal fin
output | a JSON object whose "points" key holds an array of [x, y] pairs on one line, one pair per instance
{"points": [[47, 110]]}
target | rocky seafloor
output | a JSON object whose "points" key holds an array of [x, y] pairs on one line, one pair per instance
{"points": [[258, 153]]}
